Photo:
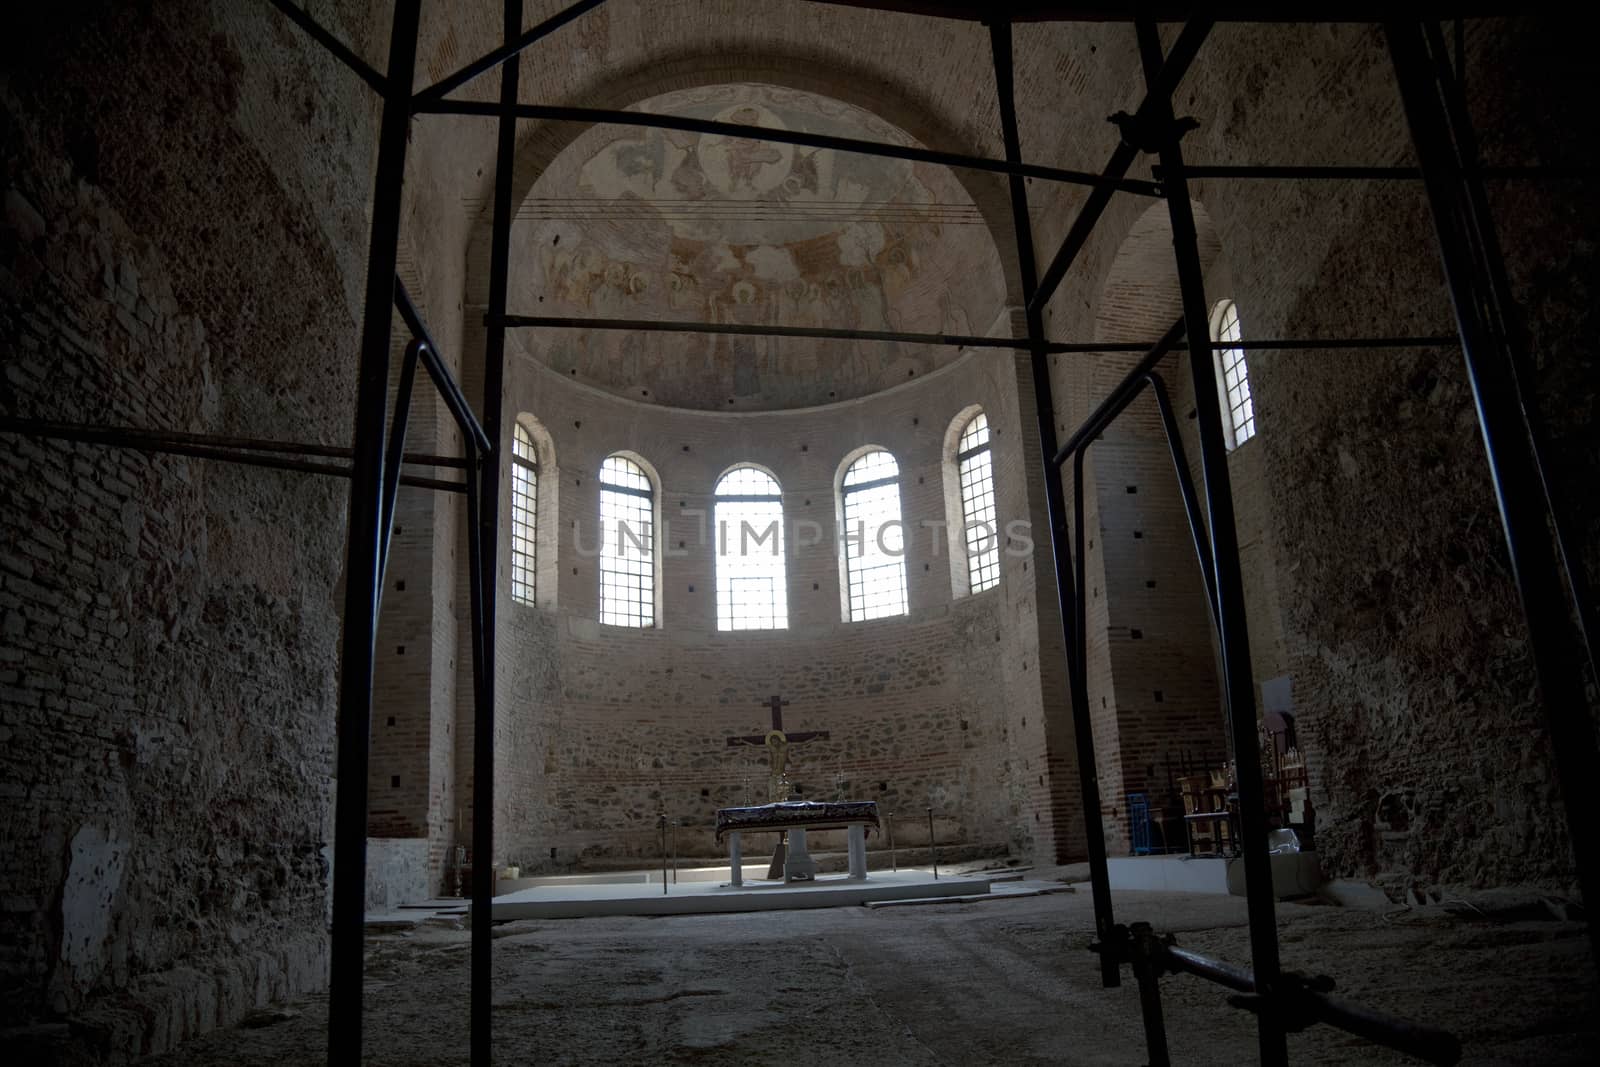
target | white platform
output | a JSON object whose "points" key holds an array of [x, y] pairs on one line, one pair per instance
{"points": [[572, 900], [1294, 874]]}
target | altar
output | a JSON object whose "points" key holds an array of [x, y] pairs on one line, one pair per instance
{"points": [[795, 817]]}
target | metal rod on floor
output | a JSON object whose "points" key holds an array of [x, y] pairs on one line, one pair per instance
{"points": [[894, 864], [1308, 999], [933, 850], [661, 829], [674, 851], [1514, 465], [1069, 590], [593, 116], [1165, 134], [364, 549]]}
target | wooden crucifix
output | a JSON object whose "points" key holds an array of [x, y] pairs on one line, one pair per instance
{"points": [[777, 744]]}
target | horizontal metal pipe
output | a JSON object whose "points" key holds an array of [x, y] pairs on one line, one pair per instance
{"points": [[1226, 974], [959, 340], [47, 428], [338, 48], [553, 113], [1055, 11], [145, 441], [1376, 173], [740, 330], [1424, 1042], [442, 379]]}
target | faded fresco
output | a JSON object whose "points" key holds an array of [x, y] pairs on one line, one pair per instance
{"points": [[649, 224]]}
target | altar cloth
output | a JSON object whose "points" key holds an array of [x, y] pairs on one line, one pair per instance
{"points": [[792, 814]]}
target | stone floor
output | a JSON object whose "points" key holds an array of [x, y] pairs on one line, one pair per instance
{"points": [[999, 982]]}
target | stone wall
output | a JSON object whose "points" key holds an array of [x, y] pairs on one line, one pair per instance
{"points": [[1374, 561], [602, 725], [182, 244]]}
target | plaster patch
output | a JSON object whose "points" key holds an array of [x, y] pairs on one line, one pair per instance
{"points": [[94, 879]]}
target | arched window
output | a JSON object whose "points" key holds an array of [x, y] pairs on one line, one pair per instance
{"points": [[872, 537], [751, 593], [628, 544], [1233, 376], [524, 515], [975, 475]]}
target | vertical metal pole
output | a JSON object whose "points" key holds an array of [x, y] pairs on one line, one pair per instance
{"points": [[894, 864], [483, 858], [1067, 591], [1502, 315], [485, 533], [933, 852], [1232, 636], [363, 581], [1144, 947], [1513, 467], [395, 457]]}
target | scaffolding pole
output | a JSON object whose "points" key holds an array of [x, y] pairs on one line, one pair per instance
{"points": [[1470, 269], [363, 580], [1160, 131], [1069, 589]]}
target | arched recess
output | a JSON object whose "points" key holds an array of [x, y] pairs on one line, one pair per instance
{"points": [[538, 144], [1156, 697], [546, 511]]}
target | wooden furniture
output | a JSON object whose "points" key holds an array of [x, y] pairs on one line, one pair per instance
{"points": [[1209, 805]]}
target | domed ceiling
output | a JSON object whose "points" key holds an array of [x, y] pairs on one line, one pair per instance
{"points": [[658, 224]]}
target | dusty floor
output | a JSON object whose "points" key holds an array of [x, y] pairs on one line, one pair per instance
{"points": [[999, 982]]}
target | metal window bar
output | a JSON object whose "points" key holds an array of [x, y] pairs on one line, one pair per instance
{"points": [[524, 516], [980, 529], [751, 566], [875, 575], [627, 556]]}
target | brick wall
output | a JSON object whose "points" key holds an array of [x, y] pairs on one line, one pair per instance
{"points": [[172, 256]]}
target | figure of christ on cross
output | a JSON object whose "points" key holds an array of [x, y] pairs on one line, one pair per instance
{"points": [[777, 743]]}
